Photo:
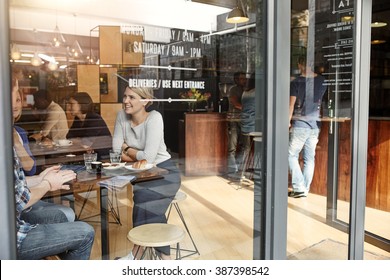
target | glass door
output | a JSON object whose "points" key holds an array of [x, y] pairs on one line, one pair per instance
{"points": [[325, 217]]}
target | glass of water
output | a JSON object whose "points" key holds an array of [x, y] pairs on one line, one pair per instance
{"points": [[115, 157], [88, 158]]}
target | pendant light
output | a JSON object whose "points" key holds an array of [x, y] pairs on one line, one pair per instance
{"points": [[52, 65], [76, 50], [378, 23], [58, 39], [237, 15], [36, 60], [15, 52]]}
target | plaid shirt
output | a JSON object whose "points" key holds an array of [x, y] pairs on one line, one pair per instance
{"points": [[22, 196]]}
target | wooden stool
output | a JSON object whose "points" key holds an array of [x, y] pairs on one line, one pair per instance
{"points": [[52, 258], [250, 164], [156, 235], [180, 196]]}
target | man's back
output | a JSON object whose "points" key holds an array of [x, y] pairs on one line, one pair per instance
{"points": [[56, 122], [309, 92]]}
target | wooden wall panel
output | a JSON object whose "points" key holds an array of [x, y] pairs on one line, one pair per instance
{"points": [[128, 55], [88, 80], [109, 112], [321, 170], [110, 45], [378, 163], [112, 95]]}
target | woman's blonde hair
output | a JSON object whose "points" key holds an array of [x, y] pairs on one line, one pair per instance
{"points": [[144, 92], [16, 75]]}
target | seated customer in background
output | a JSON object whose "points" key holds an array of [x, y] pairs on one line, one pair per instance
{"points": [[88, 125], [51, 233], [27, 161], [139, 135], [55, 124]]}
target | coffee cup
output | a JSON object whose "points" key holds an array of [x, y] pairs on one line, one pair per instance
{"points": [[97, 166], [64, 142]]}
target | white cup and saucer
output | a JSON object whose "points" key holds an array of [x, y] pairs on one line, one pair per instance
{"points": [[64, 142]]}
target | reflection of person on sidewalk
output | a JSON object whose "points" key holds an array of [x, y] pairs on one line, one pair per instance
{"points": [[233, 116], [306, 92], [248, 114]]}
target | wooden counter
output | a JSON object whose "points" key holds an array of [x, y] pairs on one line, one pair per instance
{"points": [[203, 143], [378, 163]]}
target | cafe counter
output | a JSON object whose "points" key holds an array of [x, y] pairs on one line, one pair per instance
{"points": [[203, 143]]}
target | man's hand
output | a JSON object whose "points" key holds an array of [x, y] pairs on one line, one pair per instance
{"points": [[55, 168], [56, 179]]}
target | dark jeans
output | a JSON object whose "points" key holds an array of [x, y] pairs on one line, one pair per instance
{"points": [[54, 235], [152, 199]]}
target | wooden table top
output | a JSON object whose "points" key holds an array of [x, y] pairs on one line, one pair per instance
{"points": [[85, 178], [78, 146]]}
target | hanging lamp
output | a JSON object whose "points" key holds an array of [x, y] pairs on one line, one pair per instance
{"points": [[237, 15], [58, 38], [15, 52]]}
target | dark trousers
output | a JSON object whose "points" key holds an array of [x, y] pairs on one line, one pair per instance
{"points": [[152, 199]]}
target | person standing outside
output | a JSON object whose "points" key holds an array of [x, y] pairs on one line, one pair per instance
{"points": [[233, 117], [306, 92]]}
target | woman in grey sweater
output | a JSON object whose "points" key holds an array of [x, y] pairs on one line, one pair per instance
{"points": [[139, 135]]}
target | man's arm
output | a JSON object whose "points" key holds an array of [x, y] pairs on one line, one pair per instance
{"points": [[27, 161], [234, 98], [235, 102], [292, 103], [51, 119], [52, 180]]}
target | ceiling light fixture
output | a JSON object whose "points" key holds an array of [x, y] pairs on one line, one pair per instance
{"points": [[376, 24], [15, 52], [377, 42], [52, 65], [237, 15], [76, 49], [36, 60], [58, 39], [347, 18]]}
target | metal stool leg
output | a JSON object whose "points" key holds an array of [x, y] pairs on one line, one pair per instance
{"points": [[248, 162], [114, 212], [187, 229], [178, 249]]}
